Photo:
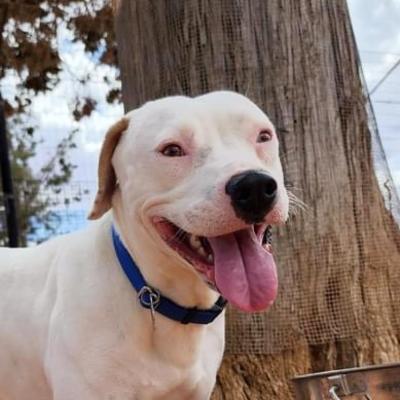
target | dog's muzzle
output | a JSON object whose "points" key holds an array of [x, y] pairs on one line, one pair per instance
{"points": [[253, 194]]}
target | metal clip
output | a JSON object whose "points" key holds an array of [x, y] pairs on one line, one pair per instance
{"points": [[341, 386], [152, 301], [333, 395]]}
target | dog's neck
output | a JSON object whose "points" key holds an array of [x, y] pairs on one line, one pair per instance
{"points": [[173, 279]]}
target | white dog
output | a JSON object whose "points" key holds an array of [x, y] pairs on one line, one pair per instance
{"points": [[191, 185]]}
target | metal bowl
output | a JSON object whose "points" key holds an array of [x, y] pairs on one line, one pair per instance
{"points": [[380, 382]]}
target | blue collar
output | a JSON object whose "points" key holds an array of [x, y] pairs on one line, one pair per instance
{"points": [[152, 299]]}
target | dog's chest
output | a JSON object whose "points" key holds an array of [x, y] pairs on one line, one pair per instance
{"points": [[171, 365], [147, 376], [161, 381]]}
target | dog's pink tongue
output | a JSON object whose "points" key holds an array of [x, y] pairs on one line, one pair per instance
{"points": [[245, 273]]}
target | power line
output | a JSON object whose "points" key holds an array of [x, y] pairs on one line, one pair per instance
{"points": [[380, 52], [387, 101], [383, 79]]}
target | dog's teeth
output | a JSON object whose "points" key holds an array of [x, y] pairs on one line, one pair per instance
{"points": [[202, 252], [197, 245], [195, 242], [268, 247]]}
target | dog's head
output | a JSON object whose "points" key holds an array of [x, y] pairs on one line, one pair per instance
{"points": [[203, 177]]}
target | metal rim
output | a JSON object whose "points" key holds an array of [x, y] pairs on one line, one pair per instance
{"points": [[345, 371]]}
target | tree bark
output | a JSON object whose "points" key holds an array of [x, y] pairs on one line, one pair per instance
{"points": [[339, 260]]}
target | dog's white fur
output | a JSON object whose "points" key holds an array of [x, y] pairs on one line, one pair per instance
{"points": [[70, 325]]}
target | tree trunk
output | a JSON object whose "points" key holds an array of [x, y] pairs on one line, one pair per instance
{"points": [[339, 260]]}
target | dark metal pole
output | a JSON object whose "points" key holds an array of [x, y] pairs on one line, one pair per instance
{"points": [[6, 180]]}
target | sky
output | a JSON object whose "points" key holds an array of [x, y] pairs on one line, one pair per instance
{"points": [[376, 25], [377, 30]]}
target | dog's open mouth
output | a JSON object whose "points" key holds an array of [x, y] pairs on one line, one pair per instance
{"points": [[239, 265]]}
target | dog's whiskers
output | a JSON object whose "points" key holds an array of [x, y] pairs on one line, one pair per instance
{"points": [[291, 186], [178, 237], [295, 204]]}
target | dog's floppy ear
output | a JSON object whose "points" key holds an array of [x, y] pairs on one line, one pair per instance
{"points": [[106, 173]]}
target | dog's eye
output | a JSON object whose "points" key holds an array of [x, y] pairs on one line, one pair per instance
{"points": [[264, 136], [172, 150]]}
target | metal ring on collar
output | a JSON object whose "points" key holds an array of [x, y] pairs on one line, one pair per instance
{"points": [[154, 297]]}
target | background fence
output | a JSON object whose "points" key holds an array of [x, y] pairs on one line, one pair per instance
{"points": [[327, 302]]}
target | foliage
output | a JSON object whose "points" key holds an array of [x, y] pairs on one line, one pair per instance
{"points": [[29, 44], [29, 48]]}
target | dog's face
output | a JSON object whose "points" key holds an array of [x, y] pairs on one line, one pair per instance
{"points": [[203, 175]]}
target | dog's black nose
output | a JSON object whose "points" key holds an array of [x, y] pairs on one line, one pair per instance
{"points": [[253, 194]]}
